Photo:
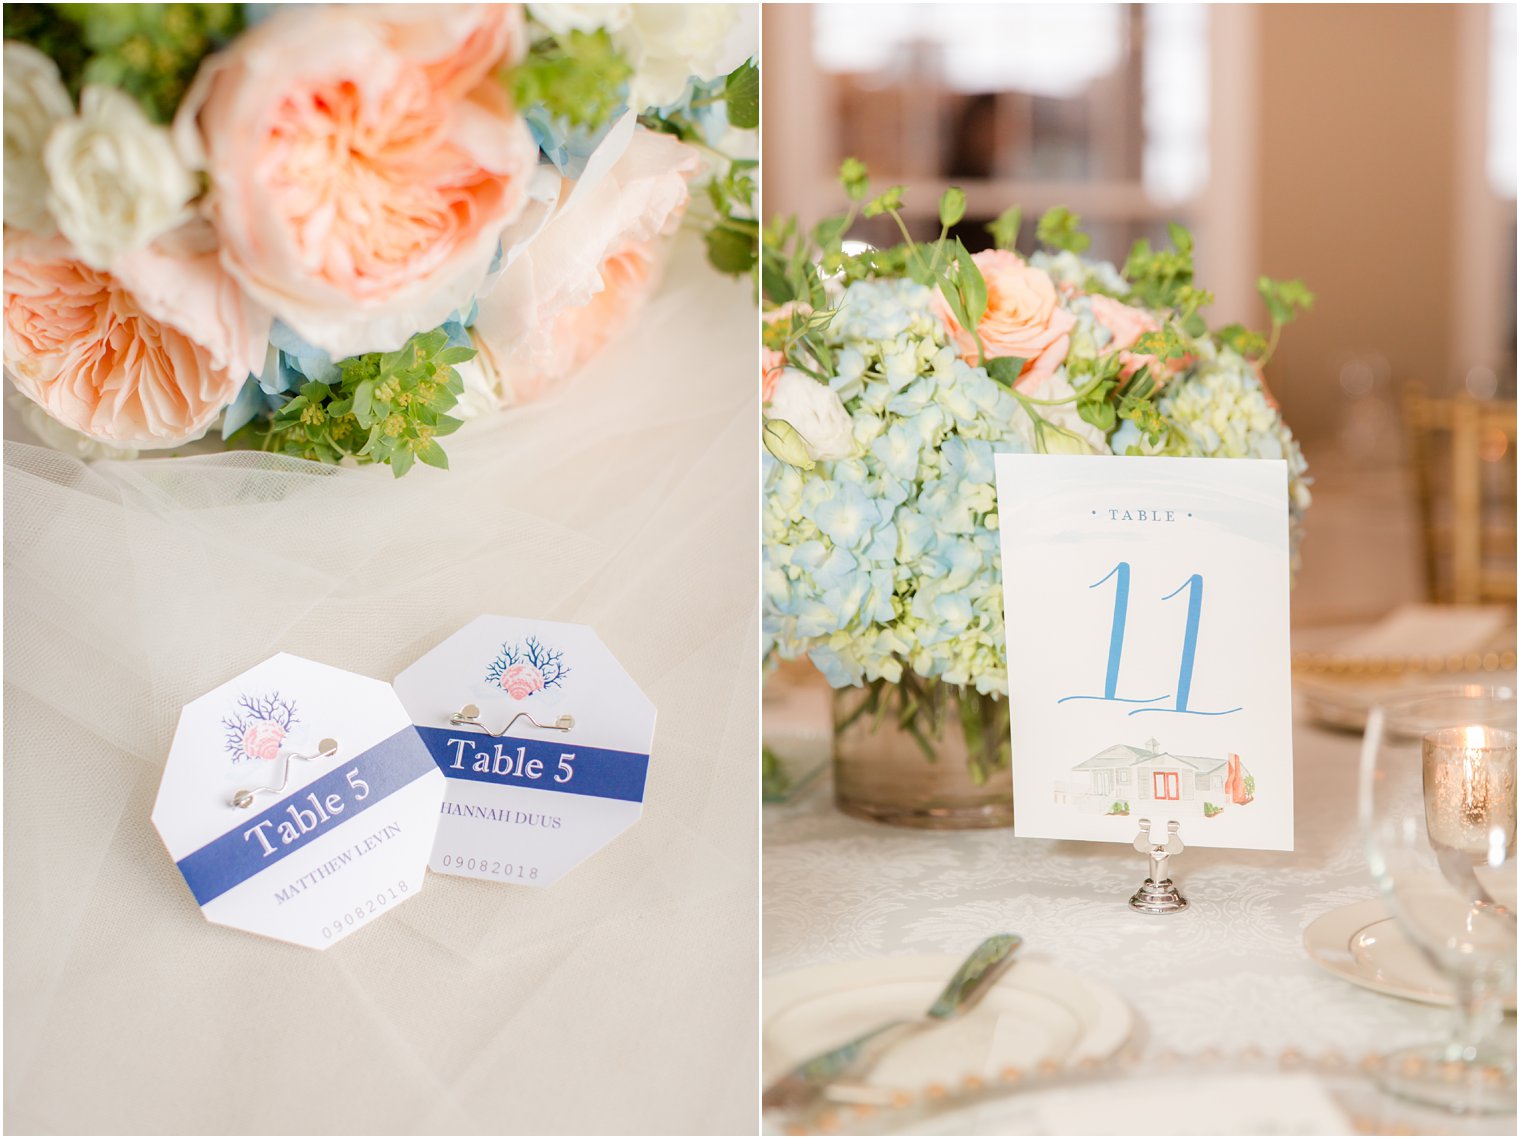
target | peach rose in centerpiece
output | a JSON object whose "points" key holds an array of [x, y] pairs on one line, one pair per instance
{"points": [[363, 164], [773, 360], [1024, 317], [1127, 324], [145, 355], [772, 364]]}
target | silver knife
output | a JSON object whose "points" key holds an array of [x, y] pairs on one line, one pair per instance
{"points": [[977, 974]]}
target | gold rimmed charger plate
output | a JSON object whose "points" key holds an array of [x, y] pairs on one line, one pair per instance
{"points": [[1353, 667]]}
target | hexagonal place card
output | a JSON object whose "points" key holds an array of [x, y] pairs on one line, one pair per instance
{"points": [[545, 742], [298, 801]]}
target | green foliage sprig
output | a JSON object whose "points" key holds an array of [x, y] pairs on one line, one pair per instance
{"points": [[796, 263], [580, 77], [1163, 278], [1059, 228], [1005, 230], [384, 407], [774, 780], [731, 230], [733, 234], [741, 92], [1286, 301], [151, 51]]}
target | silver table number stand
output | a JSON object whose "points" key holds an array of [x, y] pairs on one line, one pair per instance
{"points": [[1158, 895]]}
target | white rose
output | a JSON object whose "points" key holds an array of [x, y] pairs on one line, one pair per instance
{"points": [[35, 102], [667, 44], [815, 412], [117, 181], [562, 19]]}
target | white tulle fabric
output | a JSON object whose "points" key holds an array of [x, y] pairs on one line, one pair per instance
{"points": [[1229, 973], [622, 1000]]}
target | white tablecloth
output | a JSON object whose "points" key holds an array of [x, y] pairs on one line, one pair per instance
{"points": [[1228, 972], [621, 1000]]}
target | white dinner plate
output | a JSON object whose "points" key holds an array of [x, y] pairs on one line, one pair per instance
{"points": [[1364, 944], [1035, 1013]]}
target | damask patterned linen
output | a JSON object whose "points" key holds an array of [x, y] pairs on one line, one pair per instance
{"points": [[1230, 972]]}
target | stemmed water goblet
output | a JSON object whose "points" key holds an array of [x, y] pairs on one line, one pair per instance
{"points": [[1437, 806]]}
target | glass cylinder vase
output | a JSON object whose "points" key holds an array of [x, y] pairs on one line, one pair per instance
{"points": [[922, 753]]}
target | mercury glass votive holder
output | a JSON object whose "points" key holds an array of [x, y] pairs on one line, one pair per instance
{"points": [[1470, 792]]}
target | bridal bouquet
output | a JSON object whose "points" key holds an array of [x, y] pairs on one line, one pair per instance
{"points": [[338, 231], [890, 377]]}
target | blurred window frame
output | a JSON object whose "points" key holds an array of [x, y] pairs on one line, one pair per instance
{"points": [[800, 169], [1483, 308]]}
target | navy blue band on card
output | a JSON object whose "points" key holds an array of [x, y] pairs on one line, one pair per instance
{"points": [[259, 841], [546, 765]]}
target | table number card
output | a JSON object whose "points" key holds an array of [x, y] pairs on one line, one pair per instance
{"points": [[525, 803], [323, 841], [1146, 604]]}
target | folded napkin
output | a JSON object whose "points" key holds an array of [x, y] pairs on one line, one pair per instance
{"points": [[1431, 630]]}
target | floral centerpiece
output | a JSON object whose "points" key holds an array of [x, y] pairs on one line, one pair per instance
{"points": [[338, 231], [890, 378]]}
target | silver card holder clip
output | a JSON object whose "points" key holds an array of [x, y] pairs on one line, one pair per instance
{"points": [[1158, 894]]}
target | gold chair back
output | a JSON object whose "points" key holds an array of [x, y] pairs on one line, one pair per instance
{"points": [[1462, 459]]}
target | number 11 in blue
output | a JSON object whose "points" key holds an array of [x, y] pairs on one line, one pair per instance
{"points": [[1194, 587], [1115, 640]]}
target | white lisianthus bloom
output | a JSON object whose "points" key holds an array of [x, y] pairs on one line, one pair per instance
{"points": [[562, 19], [116, 180], [668, 44], [815, 412], [35, 102], [782, 440]]}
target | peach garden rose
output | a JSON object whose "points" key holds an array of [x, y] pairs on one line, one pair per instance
{"points": [[575, 334], [590, 269], [364, 163], [454, 44], [1024, 317], [145, 355], [245, 213], [629, 274]]}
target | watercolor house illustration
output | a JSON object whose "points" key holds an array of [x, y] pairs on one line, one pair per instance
{"points": [[1151, 779]]}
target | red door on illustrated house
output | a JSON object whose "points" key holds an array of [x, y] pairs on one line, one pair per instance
{"points": [[1164, 785]]}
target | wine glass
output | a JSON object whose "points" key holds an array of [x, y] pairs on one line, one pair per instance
{"points": [[1437, 804]]}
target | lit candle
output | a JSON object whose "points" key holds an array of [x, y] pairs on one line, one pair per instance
{"points": [[1470, 791]]}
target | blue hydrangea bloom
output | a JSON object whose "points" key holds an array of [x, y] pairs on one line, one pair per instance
{"points": [[889, 559]]}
